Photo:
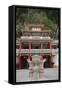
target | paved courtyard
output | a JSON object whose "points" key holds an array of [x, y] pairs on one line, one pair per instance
{"points": [[49, 74]]}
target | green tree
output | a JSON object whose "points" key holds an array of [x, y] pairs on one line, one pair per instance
{"points": [[48, 17]]}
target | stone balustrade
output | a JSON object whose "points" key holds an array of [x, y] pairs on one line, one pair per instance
{"points": [[37, 51]]}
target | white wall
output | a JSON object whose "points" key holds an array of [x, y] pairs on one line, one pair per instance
{"points": [[56, 60]]}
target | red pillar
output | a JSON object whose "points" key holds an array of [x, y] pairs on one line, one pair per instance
{"points": [[50, 47], [29, 50], [19, 56], [41, 54]]}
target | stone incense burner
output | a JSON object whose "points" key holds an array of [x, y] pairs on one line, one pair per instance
{"points": [[36, 67]]}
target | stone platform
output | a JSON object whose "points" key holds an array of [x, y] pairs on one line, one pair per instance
{"points": [[22, 75]]}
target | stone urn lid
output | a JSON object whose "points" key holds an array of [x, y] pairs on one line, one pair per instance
{"points": [[36, 59]]}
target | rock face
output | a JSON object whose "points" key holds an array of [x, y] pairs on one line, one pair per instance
{"points": [[36, 69]]}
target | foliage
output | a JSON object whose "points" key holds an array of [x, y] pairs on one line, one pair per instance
{"points": [[48, 17]]}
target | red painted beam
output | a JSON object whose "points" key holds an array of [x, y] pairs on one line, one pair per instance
{"points": [[29, 56]]}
